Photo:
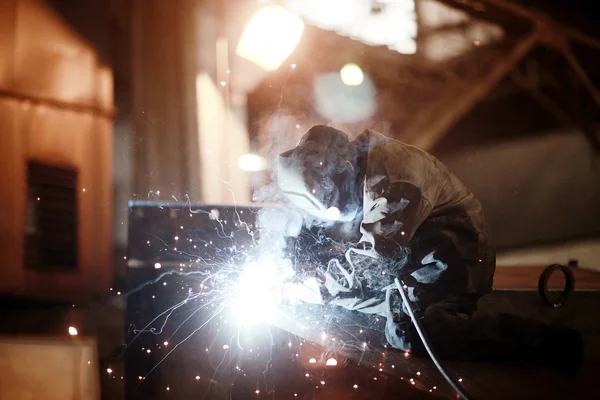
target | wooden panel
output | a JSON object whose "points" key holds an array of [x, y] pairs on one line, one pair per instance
{"points": [[48, 369], [527, 278]]}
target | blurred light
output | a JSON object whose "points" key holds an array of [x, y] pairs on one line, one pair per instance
{"points": [[340, 103], [72, 331], [270, 37], [332, 362], [252, 163], [258, 290], [312, 361], [351, 75], [157, 265], [394, 26]]}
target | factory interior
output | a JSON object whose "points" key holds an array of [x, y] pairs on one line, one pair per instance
{"points": [[138, 144]]}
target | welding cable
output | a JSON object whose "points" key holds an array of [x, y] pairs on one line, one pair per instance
{"points": [[460, 391]]}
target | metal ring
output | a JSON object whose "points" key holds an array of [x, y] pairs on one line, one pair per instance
{"points": [[543, 284]]}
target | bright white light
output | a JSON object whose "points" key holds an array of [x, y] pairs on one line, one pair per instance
{"points": [[312, 361], [270, 37], [351, 75], [252, 163], [331, 362], [395, 26], [157, 265], [333, 213], [258, 291], [72, 331]]}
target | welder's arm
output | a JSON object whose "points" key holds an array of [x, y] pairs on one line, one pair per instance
{"points": [[396, 211], [392, 214]]}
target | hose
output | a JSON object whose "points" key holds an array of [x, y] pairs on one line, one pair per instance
{"points": [[460, 391]]}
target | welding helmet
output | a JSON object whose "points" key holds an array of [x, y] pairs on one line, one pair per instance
{"points": [[317, 177]]}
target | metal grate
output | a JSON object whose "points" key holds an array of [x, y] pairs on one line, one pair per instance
{"points": [[52, 217]]}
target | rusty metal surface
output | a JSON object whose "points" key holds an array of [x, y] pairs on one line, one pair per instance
{"points": [[298, 326], [482, 381]]}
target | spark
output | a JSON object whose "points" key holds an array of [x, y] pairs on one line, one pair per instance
{"points": [[332, 362]]}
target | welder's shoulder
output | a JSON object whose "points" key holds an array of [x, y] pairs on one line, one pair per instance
{"points": [[403, 163]]}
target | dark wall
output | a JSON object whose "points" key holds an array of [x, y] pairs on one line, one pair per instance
{"points": [[534, 190]]}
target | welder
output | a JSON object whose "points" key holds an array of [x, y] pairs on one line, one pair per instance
{"points": [[394, 211]]}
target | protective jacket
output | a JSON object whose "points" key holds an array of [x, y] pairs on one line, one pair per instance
{"points": [[419, 223]]}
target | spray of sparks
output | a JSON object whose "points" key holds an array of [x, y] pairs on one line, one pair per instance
{"points": [[230, 288]]}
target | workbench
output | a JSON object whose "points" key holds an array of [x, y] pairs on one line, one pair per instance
{"points": [[222, 360]]}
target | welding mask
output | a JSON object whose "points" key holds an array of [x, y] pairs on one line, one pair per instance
{"points": [[317, 177]]}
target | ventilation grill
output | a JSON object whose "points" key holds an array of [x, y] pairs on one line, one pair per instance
{"points": [[52, 217]]}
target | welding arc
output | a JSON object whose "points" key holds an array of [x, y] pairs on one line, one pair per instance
{"points": [[460, 391]]}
